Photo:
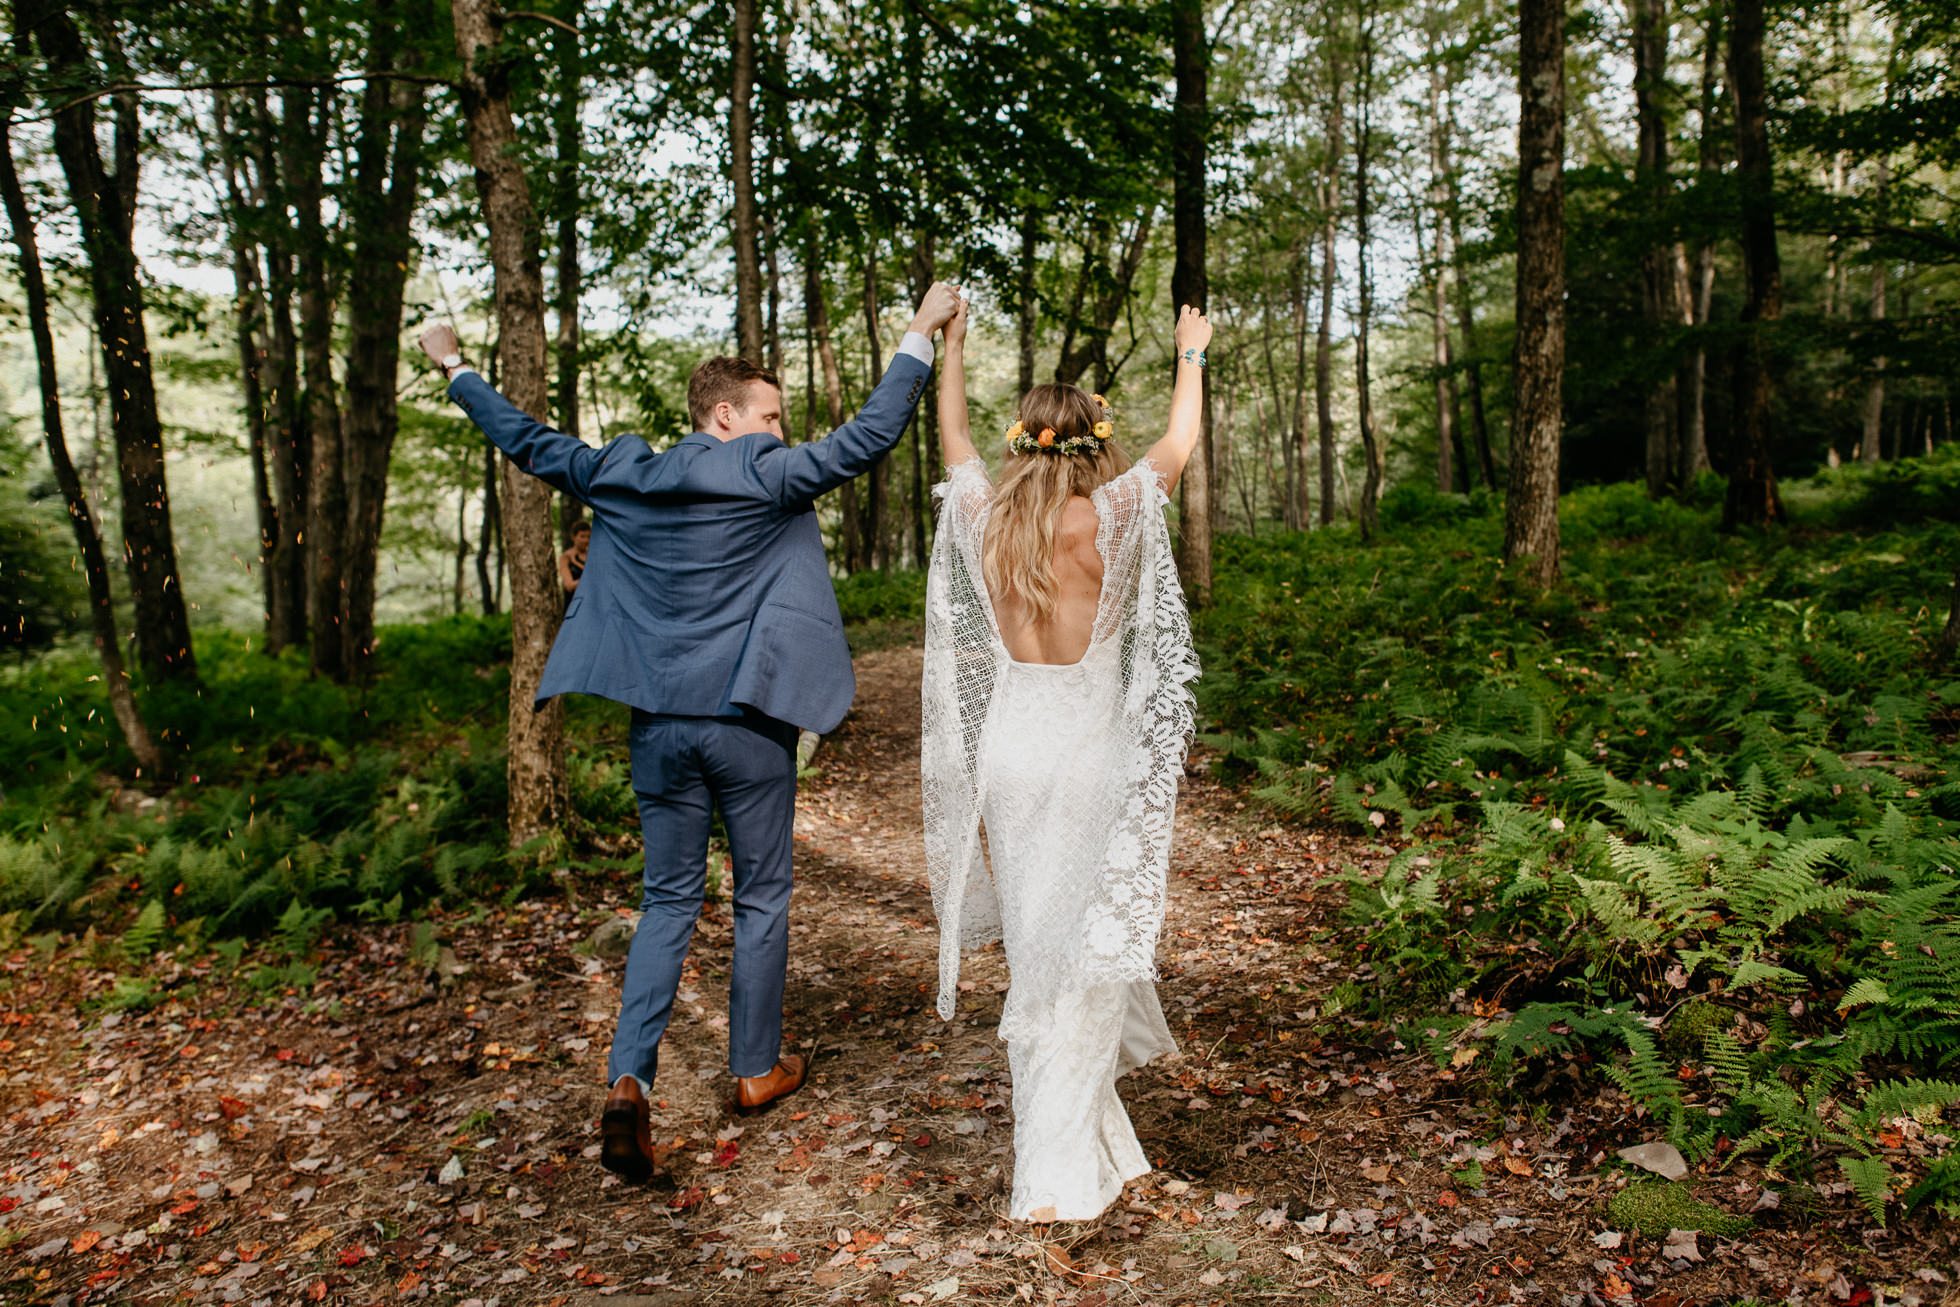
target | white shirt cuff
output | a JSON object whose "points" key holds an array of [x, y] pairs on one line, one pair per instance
{"points": [[460, 369], [918, 346]]}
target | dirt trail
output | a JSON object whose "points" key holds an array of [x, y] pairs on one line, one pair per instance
{"points": [[389, 1138]]}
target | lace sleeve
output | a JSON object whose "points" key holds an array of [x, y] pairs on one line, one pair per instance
{"points": [[956, 690], [965, 494]]}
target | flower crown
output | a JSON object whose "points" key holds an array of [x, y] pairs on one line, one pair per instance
{"points": [[1020, 440]]}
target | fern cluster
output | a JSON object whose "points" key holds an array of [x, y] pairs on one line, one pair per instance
{"points": [[1707, 772]]}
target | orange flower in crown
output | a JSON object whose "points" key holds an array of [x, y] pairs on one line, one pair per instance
{"points": [[1046, 438]]}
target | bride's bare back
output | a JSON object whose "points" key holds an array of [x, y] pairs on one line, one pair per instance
{"points": [[1064, 636], [1078, 569]]}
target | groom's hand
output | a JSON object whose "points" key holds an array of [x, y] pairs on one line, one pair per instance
{"points": [[438, 340], [936, 309]]}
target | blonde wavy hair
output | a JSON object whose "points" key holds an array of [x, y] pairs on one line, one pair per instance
{"points": [[1018, 555]]}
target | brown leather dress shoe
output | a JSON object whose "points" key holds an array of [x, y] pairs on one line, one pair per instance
{"points": [[754, 1093], [626, 1134]]}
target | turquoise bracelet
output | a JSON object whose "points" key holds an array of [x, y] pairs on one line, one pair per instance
{"points": [[1196, 356]]}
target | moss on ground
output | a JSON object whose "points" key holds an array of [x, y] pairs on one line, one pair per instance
{"points": [[1653, 1207]]}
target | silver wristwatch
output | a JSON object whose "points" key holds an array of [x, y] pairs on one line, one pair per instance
{"points": [[450, 362]]}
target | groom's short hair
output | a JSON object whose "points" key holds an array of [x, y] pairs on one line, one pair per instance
{"points": [[722, 380]]}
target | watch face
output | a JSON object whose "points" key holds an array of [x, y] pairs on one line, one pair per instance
{"points": [[452, 360]]}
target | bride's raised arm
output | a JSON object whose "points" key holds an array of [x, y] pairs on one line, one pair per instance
{"points": [[955, 432], [1170, 454]]}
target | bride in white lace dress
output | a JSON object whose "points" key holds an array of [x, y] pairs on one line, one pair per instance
{"points": [[1057, 715]]}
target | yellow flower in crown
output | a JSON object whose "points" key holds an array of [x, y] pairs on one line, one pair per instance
{"points": [[1014, 432], [1103, 431], [1100, 401]]}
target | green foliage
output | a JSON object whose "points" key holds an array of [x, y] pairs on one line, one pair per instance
{"points": [[298, 802], [145, 934], [882, 596], [1705, 775], [42, 592]]}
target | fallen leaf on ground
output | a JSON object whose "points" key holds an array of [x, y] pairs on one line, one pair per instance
{"points": [[1662, 1159]]}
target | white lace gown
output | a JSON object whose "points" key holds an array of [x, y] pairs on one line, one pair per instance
{"points": [[1073, 771]]}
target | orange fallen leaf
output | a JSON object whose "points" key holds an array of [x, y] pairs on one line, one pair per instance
{"points": [[1517, 1166], [86, 1240], [1058, 1260], [1381, 1281], [1615, 1287]]}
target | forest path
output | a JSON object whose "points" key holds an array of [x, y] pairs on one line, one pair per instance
{"points": [[387, 1138]]}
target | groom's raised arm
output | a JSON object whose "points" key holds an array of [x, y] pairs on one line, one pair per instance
{"points": [[559, 460], [801, 474], [804, 472]]}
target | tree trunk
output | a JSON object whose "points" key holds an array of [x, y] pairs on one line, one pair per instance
{"points": [[1190, 134], [1280, 494], [537, 742], [462, 549], [925, 422], [565, 199], [817, 313], [1299, 506], [1531, 534], [1371, 445], [1752, 496], [1323, 358], [1868, 450], [1650, 93], [748, 263], [288, 443], [104, 205], [1473, 375], [101, 602], [304, 136], [773, 333], [387, 178], [1025, 309], [875, 548], [1446, 437], [249, 318], [490, 529], [1708, 164]]}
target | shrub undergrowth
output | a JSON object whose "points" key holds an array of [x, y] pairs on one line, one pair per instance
{"points": [[1692, 816], [295, 802]]}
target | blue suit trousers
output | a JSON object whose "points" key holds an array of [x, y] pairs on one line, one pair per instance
{"points": [[683, 768]]}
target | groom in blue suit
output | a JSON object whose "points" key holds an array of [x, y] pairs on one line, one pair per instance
{"points": [[706, 606]]}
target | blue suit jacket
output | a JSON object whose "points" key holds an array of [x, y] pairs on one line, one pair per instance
{"points": [[706, 590]]}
